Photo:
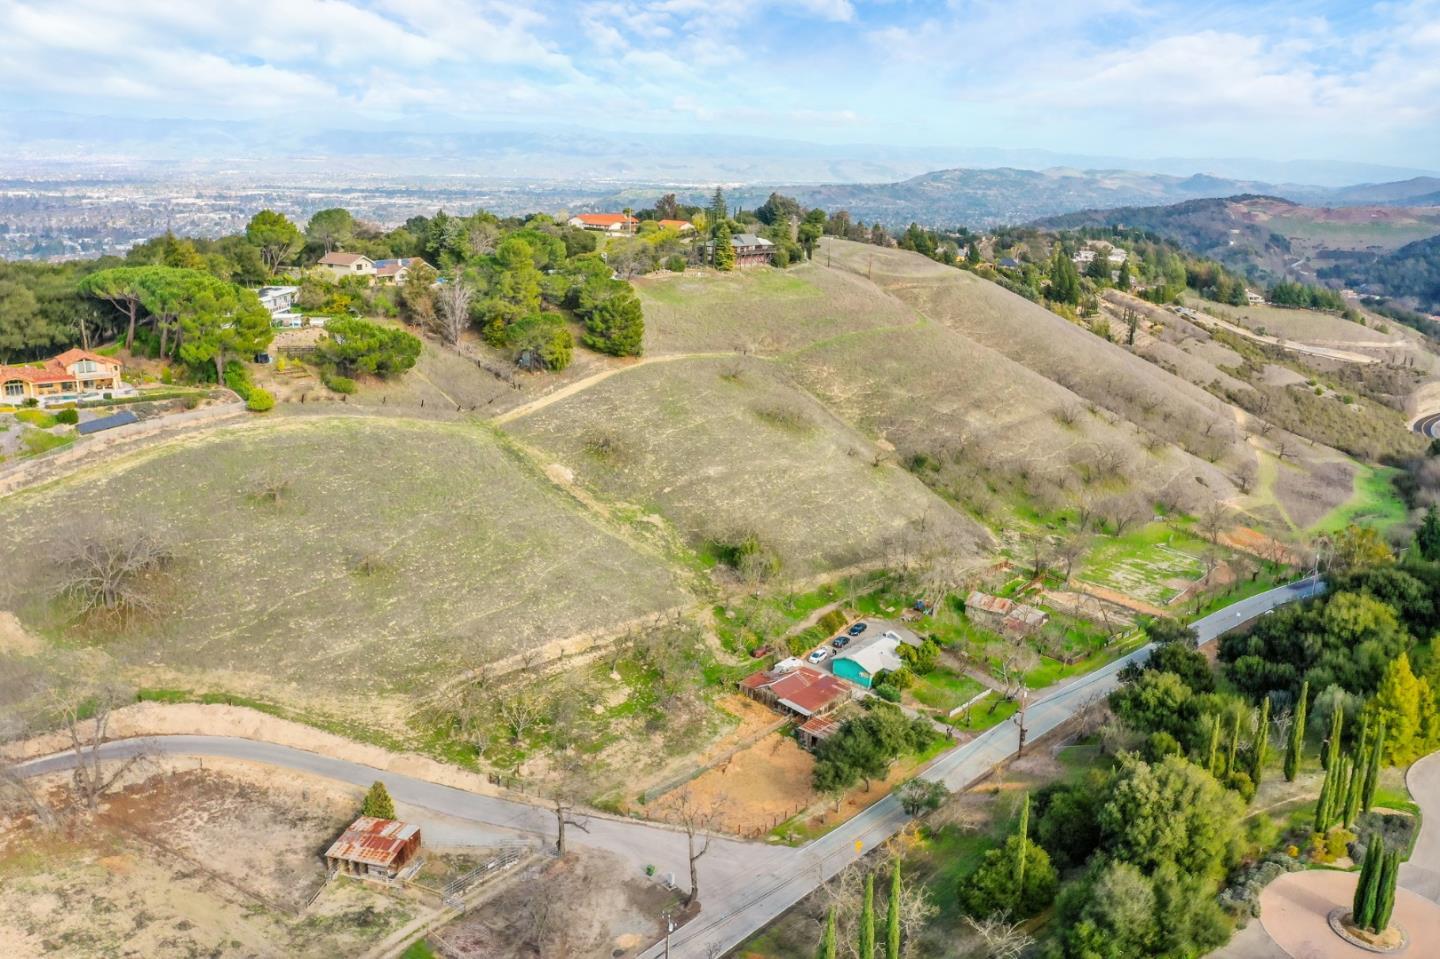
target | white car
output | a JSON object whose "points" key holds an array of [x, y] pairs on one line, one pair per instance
{"points": [[819, 655]]}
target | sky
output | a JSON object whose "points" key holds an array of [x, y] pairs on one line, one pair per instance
{"points": [[1300, 79]]}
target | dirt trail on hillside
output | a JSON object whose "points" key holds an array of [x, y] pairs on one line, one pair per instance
{"points": [[570, 389]]}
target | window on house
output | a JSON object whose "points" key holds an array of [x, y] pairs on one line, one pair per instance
{"points": [[15, 389], [86, 366]]}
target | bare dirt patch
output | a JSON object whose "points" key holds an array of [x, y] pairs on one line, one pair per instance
{"points": [[190, 862], [755, 789], [573, 907]]}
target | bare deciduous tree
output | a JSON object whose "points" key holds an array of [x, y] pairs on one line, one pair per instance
{"points": [[452, 313], [86, 715], [520, 708], [697, 817], [112, 572], [1003, 939], [567, 793]]}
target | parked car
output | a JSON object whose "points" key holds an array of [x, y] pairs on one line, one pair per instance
{"points": [[840, 642], [819, 655], [857, 629], [760, 652]]}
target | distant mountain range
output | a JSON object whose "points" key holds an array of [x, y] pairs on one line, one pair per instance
{"points": [[50, 143]]}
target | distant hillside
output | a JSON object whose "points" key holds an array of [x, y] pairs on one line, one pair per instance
{"points": [[1416, 191], [1411, 274], [1269, 237], [986, 197]]}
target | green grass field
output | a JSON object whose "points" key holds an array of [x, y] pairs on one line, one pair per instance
{"points": [[1151, 562], [1374, 502], [397, 554]]}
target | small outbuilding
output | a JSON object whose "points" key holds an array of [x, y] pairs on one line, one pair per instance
{"points": [[374, 848], [1004, 615], [797, 689]]}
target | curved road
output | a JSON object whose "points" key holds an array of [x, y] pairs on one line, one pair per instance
{"points": [[1421, 872], [1428, 425], [744, 885]]}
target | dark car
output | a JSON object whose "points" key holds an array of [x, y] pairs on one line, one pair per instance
{"points": [[840, 642], [857, 629]]}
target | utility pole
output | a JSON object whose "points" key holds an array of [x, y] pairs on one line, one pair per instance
{"points": [[669, 928], [1019, 720]]}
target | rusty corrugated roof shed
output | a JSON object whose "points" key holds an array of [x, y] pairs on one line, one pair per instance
{"points": [[375, 842]]}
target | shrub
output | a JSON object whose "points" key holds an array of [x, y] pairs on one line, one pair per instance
{"points": [[540, 341], [190, 402], [888, 693], [675, 263], [339, 384], [68, 417], [992, 888], [260, 401], [237, 378]]}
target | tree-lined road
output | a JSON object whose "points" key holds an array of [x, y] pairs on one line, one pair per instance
{"points": [[744, 885]]}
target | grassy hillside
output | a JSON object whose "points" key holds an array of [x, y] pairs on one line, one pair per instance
{"points": [[398, 553], [725, 450]]}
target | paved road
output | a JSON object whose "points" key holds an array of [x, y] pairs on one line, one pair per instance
{"points": [[1421, 874], [1428, 425], [744, 885]]}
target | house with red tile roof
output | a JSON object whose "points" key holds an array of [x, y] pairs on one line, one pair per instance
{"points": [[62, 379], [680, 226], [605, 222]]}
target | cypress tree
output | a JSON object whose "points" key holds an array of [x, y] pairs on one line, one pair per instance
{"points": [[1212, 755], [892, 915], [1322, 805], [1024, 839], [1367, 866], [1337, 725], [827, 944], [1385, 901], [1372, 770], [1297, 735], [1353, 791], [1370, 893], [1234, 746], [867, 920], [1262, 743]]}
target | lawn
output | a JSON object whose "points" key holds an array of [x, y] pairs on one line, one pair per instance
{"points": [[943, 690], [1374, 502], [391, 555]]}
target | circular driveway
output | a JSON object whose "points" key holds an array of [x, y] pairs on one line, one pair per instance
{"points": [[1295, 907]]}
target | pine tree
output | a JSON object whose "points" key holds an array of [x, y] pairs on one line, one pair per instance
{"points": [[1297, 735], [724, 249], [1372, 771], [378, 802], [867, 920], [1262, 743], [1405, 705], [892, 916], [717, 209], [827, 944]]}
